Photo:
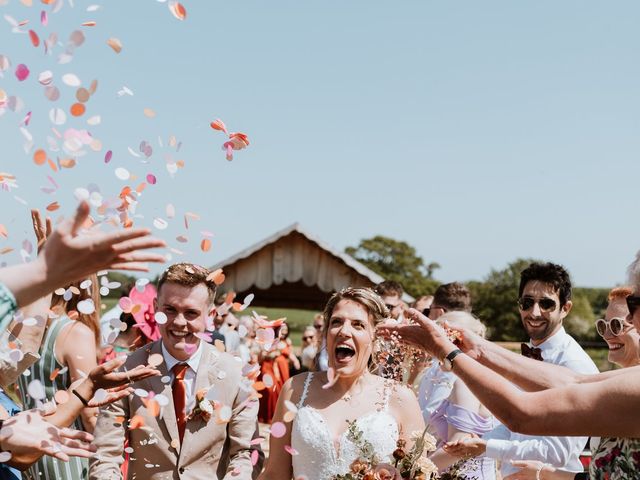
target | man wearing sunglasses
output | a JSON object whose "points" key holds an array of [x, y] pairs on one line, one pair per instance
{"points": [[436, 384], [391, 293], [544, 302]]}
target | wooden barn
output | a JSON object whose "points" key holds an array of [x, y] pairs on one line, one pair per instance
{"points": [[294, 269]]}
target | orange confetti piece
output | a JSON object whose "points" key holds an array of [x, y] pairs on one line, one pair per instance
{"points": [[90, 23], [259, 386], [219, 125], [141, 187], [48, 2], [218, 277], [136, 422], [115, 44], [52, 165], [35, 40], [67, 163], [230, 296], [178, 10], [77, 109], [149, 112], [6, 250], [54, 374], [39, 157], [3, 231], [119, 419], [237, 306], [53, 206], [153, 407], [93, 87], [205, 245]]}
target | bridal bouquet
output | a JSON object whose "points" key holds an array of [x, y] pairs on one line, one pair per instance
{"points": [[412, 464]]}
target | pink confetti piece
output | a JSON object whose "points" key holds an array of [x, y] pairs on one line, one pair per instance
{"points": [[204, 336], [278, 429], [256, 441], [107, 156], [151, 178], [22, 72], [44, 19], [125, 304], [190, 348], [254, 457], [290, 450]]}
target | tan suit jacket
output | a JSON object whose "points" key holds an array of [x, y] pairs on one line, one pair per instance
{"points": [[201, 452]]}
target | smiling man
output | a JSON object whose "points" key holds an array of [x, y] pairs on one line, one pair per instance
{"points": [[544, 302], [170, 435]]}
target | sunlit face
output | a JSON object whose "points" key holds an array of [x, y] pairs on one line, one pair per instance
{"points": [[624, 349], [394, 304], [539, 323], [350, 336], [186, 310]]}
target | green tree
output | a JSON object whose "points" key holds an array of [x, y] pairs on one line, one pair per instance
{"points": [[581, 320], [396, 260]]}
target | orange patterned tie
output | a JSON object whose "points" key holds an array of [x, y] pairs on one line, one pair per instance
{"points": [[180, 397]]}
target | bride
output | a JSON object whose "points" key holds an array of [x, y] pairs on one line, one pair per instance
{"points": [[316, 444]]}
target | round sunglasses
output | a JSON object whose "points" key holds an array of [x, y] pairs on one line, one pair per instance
{"points": [[616, 326]]}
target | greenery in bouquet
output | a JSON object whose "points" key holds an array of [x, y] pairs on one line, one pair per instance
{"points": [[411, 464]]}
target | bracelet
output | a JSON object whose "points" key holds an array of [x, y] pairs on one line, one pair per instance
{"points": [[80, 397]]}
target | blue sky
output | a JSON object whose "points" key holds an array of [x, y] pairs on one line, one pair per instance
{"points": [[478, 132]]}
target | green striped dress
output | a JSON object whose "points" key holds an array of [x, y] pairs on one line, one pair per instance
{"points": [[49, 468]]}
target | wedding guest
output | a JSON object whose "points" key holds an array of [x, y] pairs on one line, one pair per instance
{"points": [[436, 384], [391, 293], [611, 456], [544, 302], [423, 303], [461, 415], [286, 347], [309, 348], [551, 399], [187, 441], [274, 372], [381, 409], [322, 358]]}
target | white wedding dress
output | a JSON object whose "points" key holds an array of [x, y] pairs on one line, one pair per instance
{"points": [[318, 458]]}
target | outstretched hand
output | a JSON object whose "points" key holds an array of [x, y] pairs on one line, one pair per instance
{"points": [[69, 256], [29, 432], [466, 448], [422, 333], [116, 385]]}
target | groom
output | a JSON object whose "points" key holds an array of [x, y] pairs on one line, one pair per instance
{"points": [[170, 437]]}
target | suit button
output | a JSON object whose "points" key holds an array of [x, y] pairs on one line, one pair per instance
{"points": [[181, 469]]}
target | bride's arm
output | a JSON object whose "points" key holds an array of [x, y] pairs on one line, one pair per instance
{"points": [[279, 463]]}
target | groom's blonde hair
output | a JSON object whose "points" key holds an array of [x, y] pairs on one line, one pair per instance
{"points": [[366, 297]]}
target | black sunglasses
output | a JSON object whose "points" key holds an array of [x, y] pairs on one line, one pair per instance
{"points": [[633, 302], [545, 304], [426, 311], [308, 338]]}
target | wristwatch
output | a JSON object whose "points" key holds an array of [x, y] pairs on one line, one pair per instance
{"points": [[447, 363]]}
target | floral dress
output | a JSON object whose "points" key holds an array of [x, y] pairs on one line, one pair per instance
{"points": [[616, 459]]}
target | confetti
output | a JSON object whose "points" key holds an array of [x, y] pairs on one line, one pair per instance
{"points": [[122, 173], [53, 206], [90, 23], [160, 223], [57, 116], [36, 390], [39, 157], [151, 178], [255, 455], [35, 40], [61, 396], [156, 358], [177, 10], [86, 307], [278, 429], [71, 80], [108, 156], [22, 72], [77, 109], [45, 78], [290, 450], [205, 245], [149, 113], [115, 44], [82, 95]]}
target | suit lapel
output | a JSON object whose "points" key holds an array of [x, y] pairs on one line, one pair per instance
{"points": [[167, 413]]}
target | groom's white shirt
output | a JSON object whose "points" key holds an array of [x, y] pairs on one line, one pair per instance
{"points": [[561, 452]]}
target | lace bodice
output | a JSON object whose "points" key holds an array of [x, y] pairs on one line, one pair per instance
{"points": [[319, 458]]}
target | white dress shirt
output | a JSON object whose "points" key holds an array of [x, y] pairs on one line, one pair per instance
{"points": [[435, 387], [190, 374], [560, 452]]}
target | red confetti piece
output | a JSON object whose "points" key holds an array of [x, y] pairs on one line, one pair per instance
{"points": [[35, 40]]}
